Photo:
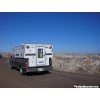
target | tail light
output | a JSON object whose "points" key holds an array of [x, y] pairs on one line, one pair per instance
{"points": [[26, 65]]}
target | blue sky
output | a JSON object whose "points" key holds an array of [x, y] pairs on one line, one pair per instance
{"points": [[68, 32]]}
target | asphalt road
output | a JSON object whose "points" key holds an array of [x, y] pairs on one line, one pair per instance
{"points": [[12, 79]]}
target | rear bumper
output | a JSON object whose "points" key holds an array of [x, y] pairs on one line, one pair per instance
{"points": [[38, 69]]}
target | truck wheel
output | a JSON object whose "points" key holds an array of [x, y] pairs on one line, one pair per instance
{"points": [[50, 62], [21, 71]]}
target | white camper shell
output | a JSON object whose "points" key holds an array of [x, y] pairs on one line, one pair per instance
{"points": [[32, 57]]}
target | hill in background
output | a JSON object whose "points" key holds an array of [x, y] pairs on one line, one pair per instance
{"points": [[5, 54]]}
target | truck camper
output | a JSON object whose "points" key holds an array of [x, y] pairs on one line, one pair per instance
{"points": [[32, 58]]}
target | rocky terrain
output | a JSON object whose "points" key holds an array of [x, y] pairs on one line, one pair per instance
{"points": [[77, 63]]}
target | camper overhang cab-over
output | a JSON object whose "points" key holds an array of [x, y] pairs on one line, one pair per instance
{"points": [[32, 58]]}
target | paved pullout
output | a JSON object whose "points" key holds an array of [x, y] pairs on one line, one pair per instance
{"points": [[12, 78]]}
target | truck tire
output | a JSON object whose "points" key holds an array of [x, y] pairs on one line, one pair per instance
{"points": [[50, 62], [21, 71]]}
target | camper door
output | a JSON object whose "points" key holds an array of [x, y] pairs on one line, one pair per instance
{"points": [[40, 56]]}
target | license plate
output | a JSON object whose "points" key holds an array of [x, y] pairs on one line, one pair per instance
{"points": [[40, 61], [40, 69]]}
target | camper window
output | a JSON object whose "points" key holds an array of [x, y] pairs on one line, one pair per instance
{"points": [[20, 54], [17, 54]]}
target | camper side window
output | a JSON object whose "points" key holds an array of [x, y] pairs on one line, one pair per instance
{"points": [[17, 54], [40, 53]]}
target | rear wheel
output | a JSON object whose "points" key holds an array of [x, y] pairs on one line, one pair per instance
{"points": [[50, 62], [21, 71]]}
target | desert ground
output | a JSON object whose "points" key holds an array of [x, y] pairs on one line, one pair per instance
{"points": [[68, 70]]}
